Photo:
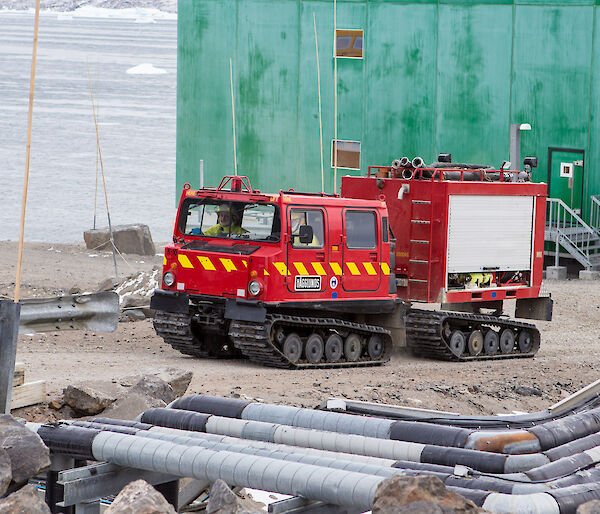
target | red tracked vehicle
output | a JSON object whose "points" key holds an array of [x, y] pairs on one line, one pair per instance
{"points": [[306, 280]]}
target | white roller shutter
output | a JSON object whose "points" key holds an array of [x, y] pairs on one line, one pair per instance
{"points": [[489, 232]]}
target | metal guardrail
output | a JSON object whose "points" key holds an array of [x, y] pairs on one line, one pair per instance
{"points": [[595, 213], [566, 228]]}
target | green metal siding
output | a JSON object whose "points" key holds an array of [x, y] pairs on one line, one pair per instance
{"points": [[438, 76]]}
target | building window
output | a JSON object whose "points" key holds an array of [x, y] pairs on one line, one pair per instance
{"points": [[348, 154], [349, 43]]}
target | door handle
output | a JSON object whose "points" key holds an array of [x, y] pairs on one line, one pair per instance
{"points": [[373, 256], [321, 256]]}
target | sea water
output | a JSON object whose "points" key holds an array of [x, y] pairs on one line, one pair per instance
{"points": [[132, 63]]}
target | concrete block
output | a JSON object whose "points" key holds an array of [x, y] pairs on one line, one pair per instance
{"points": [[556, 273], [128, 239], [585, 274]]}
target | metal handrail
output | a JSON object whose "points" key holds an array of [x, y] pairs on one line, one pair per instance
{"points": [[569, 228], [595, 213]]}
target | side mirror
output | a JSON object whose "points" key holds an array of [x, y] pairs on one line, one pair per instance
{"points": [[305, 234]]}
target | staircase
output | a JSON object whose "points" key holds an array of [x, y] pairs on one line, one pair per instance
{"points": [[574, 236]]}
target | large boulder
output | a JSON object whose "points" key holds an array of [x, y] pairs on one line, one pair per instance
{"points": [[180, 381], [131, 406], [135, 238], [27, 452], [139, 497], [224, 501], [5, 471], [591, 507], [154, 387], [87, 400], [421, 494], [24, 501]]}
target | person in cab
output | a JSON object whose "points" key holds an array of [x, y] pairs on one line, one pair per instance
{"points": [[228, 222]]}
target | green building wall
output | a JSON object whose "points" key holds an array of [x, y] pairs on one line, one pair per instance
{"points": [[437, 76]]}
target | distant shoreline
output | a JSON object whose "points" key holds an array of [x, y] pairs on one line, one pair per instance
{"points": [[166, 9]]}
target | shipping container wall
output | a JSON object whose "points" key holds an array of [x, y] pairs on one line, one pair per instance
{"points": [[436, 76]]}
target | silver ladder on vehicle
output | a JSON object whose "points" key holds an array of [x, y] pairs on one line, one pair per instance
{"points": [[572, 236]]}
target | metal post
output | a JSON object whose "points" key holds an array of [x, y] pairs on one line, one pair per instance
{"points": [[515, 146], [201, 173], [170, 491], [557, 234], [9, 329], [54, 493]]}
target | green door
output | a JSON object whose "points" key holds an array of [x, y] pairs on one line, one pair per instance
{"points": [[565, 176]]}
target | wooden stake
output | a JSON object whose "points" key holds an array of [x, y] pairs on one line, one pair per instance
{"points": [[320, 118], [335, 98], [233, 116], [28, 155]]}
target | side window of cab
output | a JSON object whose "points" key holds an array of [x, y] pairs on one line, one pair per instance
{"points": [[303, 222]]}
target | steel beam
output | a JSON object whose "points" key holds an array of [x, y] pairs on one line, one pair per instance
{"points": [[9, 327], [297, 505]]}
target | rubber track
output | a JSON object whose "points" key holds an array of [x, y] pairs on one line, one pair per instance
{"points": [[424, 334], [255, 342], [175, 329]]}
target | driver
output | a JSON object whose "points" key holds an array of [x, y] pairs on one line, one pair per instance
{"points": [[298, 218], [229, 222]]}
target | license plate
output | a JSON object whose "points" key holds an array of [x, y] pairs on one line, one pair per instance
{"points": [[308, 283]]}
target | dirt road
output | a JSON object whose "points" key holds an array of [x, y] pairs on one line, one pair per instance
{"points": [[569, 357]]}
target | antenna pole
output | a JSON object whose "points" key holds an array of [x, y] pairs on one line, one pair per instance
{"points": [[319, 89], [28, 154], [335, 98], [233, 116]]}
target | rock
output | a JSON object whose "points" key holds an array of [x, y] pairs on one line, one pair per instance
{"points": [[402, 491], [135, 300], [131, 406], [75, 290], [180, 382], [139, 497], [528, 391], [87, 400], [108, 284], [591, 507], [27, 452], [24, 501], [5, 471], [135, 314], [56, 403], [224, 501], [154, 387], [135, 238]]}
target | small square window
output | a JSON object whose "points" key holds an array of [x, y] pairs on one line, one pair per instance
{"points": [[348, 154], [349, 43]]}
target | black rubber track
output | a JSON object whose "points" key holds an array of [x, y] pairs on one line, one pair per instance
{"points": [[424, 334], [175, 329], [255, 340]]}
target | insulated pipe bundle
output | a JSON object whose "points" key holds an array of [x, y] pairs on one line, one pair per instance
{"points": [[524, 441]]}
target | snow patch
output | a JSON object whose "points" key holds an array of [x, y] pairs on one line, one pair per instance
{"points": [[145, 69]]}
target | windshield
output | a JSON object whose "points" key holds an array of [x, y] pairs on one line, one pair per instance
{"points": [[230, 220]]}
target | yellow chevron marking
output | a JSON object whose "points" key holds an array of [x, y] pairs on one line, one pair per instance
{"points": [[206, 263], [319, 269], [228, 264], [245, 264], [301, 268], [336, 268], [353, 268], [184, 261], [370, 269], [385, 268], [165, 260], [266, 273], [281, 267]]}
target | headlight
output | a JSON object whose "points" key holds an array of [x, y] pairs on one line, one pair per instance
{"points": [[169, 278], [254, 288]]}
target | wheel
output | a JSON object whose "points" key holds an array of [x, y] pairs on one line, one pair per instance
{"points": [[314, 348], [334, 347], [375, 347], [475, 342], [507, 340], [292, 348], [352, 347], [491, 342], [525, 341], [458, 343]]}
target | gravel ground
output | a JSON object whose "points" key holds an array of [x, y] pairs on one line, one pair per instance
{"points": [[569, 357]]}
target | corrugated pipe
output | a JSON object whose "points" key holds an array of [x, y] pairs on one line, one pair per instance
{"points": [[335, 486], [515, 484], [532, 440]]}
